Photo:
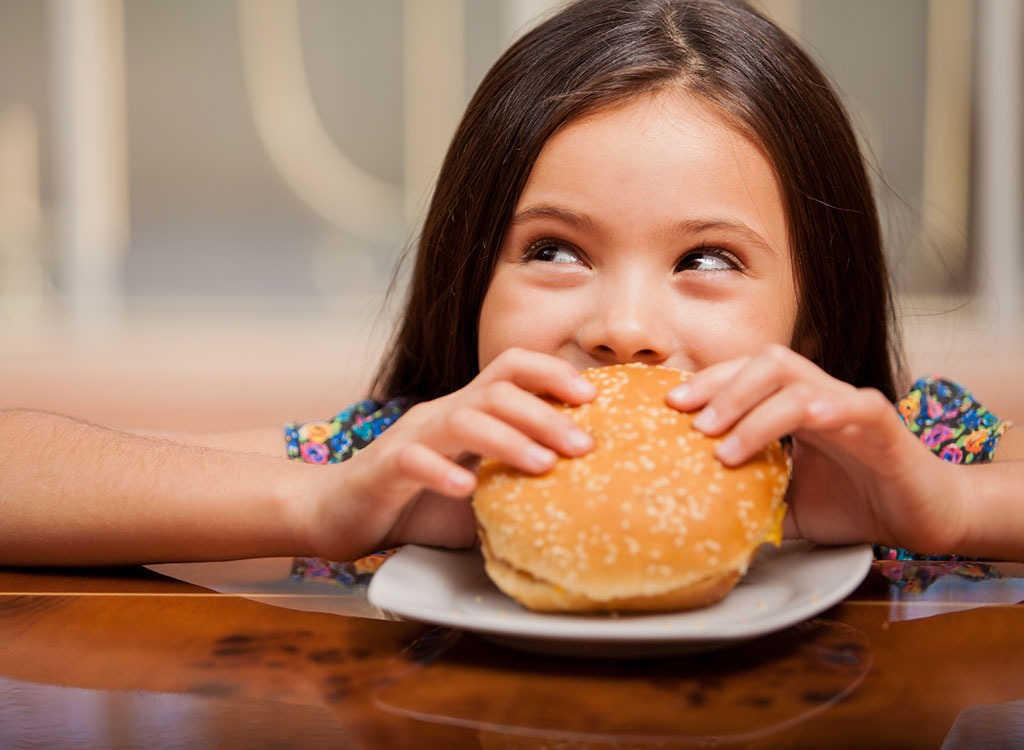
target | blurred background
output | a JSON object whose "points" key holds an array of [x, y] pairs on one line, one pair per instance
{"points": [[202, 202]]}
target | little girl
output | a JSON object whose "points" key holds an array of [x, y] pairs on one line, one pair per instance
{"points": [[663, 181]]}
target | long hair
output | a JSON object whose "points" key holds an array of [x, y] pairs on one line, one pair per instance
{"points": [[594, 54]]}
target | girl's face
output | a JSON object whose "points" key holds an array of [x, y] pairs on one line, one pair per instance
{"points": [[653, 232]]}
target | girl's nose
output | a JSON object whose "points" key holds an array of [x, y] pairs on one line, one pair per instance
{"points": [[627, 328]]}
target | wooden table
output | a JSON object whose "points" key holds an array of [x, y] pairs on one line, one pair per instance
{"points": [[128, 658]]}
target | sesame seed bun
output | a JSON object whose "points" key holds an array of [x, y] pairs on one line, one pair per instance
{"points": [[648, 520]]}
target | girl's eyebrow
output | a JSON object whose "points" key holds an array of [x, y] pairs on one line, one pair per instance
{"points": [[697, 226], [547, 211]]}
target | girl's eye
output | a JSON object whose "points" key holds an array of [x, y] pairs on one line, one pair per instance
{"points": [[551, 251], [708, 259]]}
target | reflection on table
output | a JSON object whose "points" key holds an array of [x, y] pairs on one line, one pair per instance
{"points": [[130, 658]]}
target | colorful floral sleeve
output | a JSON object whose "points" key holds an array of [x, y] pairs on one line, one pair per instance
{"points": [[343, 436], [954, 426], [334, 441], [947, 419]]}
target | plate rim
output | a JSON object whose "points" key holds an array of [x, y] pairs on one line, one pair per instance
{"points": [[854, 560]]}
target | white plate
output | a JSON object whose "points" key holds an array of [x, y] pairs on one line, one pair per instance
{"points": [[784, 585]]}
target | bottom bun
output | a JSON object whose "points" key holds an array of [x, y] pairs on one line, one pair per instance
{"points": [[541, 596]]}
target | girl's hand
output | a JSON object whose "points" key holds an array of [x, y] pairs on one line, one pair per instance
{"points": [[412, 484], [858, 473]]}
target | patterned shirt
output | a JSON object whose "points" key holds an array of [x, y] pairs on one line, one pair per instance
{"points": [[344, 435], [954, 426], [943, 414]]}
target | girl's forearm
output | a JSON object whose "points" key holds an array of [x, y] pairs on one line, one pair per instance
{"points": [[993, 502], [72, 493], [994, 508]]}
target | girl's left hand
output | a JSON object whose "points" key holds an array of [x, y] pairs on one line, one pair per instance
{"points": [[858, 473]]}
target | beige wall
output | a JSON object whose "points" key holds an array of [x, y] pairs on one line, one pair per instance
{"points": [[229, 255]]}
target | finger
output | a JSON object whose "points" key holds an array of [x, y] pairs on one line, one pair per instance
{"points": [[418, 467], [539, 373], [773, 370], [467, 430], [860, 423], [700, 387], [780, 414], [532, 416]]}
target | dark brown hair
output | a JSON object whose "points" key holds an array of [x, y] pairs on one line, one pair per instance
{"points": [[596, 53]]}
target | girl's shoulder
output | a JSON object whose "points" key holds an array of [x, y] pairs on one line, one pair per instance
{"points": [[343, 435]]}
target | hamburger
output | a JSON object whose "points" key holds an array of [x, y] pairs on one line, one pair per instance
{"points": [[649, 520]]}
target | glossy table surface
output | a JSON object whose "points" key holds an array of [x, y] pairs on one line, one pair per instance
{"points": [[919, 656]]}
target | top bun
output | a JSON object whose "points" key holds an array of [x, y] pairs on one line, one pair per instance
{"points": [[648, 520]]}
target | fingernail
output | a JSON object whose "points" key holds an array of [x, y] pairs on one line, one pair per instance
{"points": [[459, 481], [583, 388], [578, 441], [678, 394], [539, 458], [706, 419], [729, 450]]}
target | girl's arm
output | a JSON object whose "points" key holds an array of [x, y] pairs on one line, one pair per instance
{"points": [[996, 495], [76, 493], [266, 440]]}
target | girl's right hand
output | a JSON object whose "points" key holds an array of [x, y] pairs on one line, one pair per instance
{"points": [[412, 484]]}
